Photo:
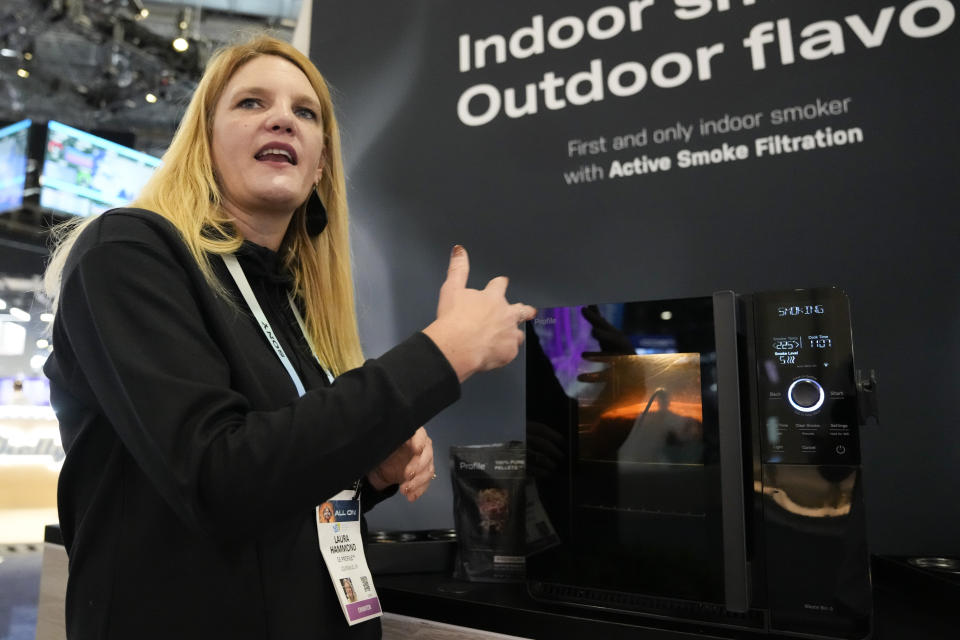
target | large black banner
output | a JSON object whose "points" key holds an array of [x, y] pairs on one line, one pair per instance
{"points": [[652, 149]]}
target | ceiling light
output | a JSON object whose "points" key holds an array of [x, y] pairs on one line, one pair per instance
{"points": [[150, 98], [184, 18], [139, 11], [13, 338], [37, 361], [27, 55], [23, 73], [42, 343], [3, 304], [665, 315], [8, 53], [19, 314], [46, 317]]}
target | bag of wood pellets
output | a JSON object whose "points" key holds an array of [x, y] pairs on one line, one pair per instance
{"points": [[489, 511]]}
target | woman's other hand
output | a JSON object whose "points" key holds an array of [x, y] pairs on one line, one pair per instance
{"points": [[477, 330], [410, 466]]}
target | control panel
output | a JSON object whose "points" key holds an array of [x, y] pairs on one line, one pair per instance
{"points": [[805, 377]]}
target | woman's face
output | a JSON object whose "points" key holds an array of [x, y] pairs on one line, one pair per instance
{"points": [[267, 138]]}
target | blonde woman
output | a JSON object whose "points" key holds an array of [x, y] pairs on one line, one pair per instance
{"points": [[208, 376]]}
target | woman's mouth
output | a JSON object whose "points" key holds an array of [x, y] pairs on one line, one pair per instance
{"points": [[277, 153]]}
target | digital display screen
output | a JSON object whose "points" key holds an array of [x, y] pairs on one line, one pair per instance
{"points": [[791, 344], [820, 341], [797, 349], [806, 386], [85, 175], [13, 164], [800, 310]]}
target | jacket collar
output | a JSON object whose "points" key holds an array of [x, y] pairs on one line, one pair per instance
{"points": [[263, 263]]}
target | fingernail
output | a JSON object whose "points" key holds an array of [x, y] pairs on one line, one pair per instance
{"points": [[457, 250]]}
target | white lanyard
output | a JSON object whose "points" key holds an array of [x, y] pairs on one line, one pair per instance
{"points": [[338, 519], [236, 271], [306, 336]]}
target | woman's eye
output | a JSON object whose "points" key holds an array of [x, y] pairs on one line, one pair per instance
{"points": [[303, 112], [247, 103]]}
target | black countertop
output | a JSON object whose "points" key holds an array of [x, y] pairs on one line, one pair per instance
{"points": [[909, 603]]}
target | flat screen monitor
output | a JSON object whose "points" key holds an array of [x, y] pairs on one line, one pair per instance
{"points": [[13, 164], [84, 174], [33, 392]]}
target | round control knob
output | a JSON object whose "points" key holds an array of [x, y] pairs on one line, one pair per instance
{"points": [[805, 395]]}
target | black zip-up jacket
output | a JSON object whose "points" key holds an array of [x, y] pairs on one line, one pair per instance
{"points": [[186, 497]]}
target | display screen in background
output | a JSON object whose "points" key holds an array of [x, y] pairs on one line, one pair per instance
{"points": [[35, 392], [13, 164], [85, 175]]}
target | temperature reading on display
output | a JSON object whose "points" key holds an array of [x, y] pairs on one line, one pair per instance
{"points": [[800, 310], [819, 342], [787, 348], [784, 345]]}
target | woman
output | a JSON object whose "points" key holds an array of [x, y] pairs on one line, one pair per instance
{"points": [[325, 513], [348, 591], [200, 429]]}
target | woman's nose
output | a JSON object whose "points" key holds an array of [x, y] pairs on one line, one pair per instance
{"points": [[281, 119]]}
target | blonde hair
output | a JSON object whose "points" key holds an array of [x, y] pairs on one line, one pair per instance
{"points": [[184, 190]]}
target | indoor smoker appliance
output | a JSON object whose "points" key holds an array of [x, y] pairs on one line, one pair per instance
{"points": [[699, 459]]}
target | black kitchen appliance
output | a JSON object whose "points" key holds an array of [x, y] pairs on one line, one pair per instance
{"points": [[699, 459]]}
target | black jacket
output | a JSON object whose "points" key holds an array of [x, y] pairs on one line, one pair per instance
{"points": [[186, 497]]}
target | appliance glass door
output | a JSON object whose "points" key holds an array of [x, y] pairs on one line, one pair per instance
{"points": [[622, 440]]}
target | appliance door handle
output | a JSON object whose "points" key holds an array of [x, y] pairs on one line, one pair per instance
{"points": [[735, 578]]}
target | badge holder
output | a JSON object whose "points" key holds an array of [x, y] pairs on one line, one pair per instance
{"points": [[338, 530]]}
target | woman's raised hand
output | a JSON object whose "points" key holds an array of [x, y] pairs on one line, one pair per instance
{"points": [[410, 466], [477, 330]]}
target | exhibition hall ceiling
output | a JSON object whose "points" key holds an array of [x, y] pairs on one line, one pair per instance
{"points": [[105, 65], [110, 64]]}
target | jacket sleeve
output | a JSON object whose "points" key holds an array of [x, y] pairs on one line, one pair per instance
{"points": [[130, 314]]}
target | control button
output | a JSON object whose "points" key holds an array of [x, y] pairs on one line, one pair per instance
{"points": [[841, 449], [805, 395]]}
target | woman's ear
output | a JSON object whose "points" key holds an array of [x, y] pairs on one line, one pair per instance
{"points": [[324, 161]]}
